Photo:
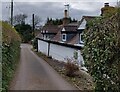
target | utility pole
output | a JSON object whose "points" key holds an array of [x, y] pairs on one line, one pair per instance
{"points": [[12, 12], [33, 24]]}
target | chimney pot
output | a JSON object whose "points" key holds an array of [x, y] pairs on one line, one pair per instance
{"points": [[106, 4]]}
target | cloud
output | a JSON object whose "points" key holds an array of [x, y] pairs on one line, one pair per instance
{"points": [[52, 9]]}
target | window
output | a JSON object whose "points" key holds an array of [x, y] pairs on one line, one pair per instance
{"points": [[63, 37], [81, 38]]}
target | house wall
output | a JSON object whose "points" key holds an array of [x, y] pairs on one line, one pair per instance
{"points": [[43, 47], [83, 24], [58, 52], [61, 52]]}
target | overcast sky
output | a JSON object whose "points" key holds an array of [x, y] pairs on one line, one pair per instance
{"points": [[54, 8]]}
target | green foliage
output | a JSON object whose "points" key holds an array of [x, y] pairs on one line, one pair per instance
{"points": [[58, 21], [10, 54], [35, 43], [102, 53], [75, 55], [54, 21], [109, 11], [25, 31]]}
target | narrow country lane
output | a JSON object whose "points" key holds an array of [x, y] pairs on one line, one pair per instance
{"points": [[34, 73]]}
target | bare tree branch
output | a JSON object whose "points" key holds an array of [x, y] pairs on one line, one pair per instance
{"points": [[37, 20], [19, 19]]}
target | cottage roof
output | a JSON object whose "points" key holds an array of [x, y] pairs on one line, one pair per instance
{"points": [[50, 28], [70, 28], [73, 24], [39, 35], [57, 37], [87, 18], [74, 40]]}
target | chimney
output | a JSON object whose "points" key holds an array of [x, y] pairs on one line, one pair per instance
{"points": [[106, 4], [66, 14], [66, 19]]}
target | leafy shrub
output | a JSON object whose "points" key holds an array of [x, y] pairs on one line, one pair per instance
{"points": [[75, 55], [71, 68], [25, 32], [35, 43], [102, 53], [10, 53]]}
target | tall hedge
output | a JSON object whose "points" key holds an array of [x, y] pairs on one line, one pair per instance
{"points": [[102, 53], [10, 53]]}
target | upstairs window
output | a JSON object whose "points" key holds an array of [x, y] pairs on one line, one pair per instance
{"points": [[63, 37], [81, 38]]}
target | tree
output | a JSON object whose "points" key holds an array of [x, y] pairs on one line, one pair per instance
{"points": [[49, 21], [74, 20], [37, 20], [58, 21], [19, 19], [25, 31]]}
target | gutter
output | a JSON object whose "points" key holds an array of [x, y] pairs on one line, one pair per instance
{"points": [[61, 43]]}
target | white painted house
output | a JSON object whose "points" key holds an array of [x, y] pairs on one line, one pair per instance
{"points": [[64, 42], [62, 46], [59, 51]]}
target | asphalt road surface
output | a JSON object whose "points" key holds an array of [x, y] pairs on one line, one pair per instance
{"points": [[34, 73]]}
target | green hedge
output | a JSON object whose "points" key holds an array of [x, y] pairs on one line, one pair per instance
{"points": [[102, 53], [10, 54]]}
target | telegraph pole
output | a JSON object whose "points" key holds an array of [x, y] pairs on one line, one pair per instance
{"points": [[12, 12], [33, 24]]}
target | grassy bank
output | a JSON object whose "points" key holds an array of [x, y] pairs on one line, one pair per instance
{"points": [[10, 53]]}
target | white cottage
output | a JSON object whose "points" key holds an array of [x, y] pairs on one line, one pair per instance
{"points": [[66, 42]]}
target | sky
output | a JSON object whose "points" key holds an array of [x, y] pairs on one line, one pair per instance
{"points": [[53, 8]]}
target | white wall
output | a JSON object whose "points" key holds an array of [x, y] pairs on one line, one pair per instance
{"points": [[61, 52], [43, 47], [83, 24], [58, 52]]}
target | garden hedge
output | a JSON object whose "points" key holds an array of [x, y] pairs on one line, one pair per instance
{"points": [[10, 53], [102, 52]]}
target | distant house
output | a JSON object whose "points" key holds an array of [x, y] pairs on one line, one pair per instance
{"points": [[63, 41], [49, 31]]}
